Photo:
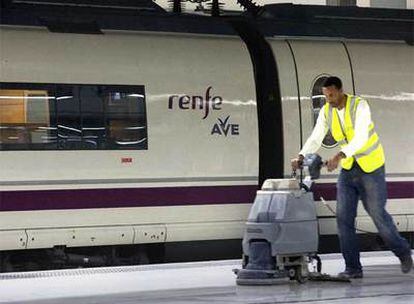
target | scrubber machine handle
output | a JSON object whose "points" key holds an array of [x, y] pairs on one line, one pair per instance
{"points": [[312, 165]]}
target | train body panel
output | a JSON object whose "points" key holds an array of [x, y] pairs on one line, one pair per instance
{"points": [[88, 227], [169, 81], [389, 89]]}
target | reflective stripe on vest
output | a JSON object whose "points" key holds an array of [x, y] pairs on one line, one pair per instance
{"points": [[371, 156], [353, 112], [368, 151], [343, 141]]}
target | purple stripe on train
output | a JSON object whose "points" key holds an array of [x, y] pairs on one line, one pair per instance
{"points": [[128, 197], [396, 190], [166, 196]]}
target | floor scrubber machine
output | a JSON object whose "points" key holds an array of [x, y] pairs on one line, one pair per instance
{"points": [[281, 236]]}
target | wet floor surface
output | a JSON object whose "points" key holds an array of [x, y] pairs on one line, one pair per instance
{"points": [[207, 282]]}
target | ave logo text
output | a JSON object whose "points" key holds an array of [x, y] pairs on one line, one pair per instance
{"points": [[224, 127]]}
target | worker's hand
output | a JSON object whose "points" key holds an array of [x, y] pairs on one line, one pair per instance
{"points": [[333, 163], [297, 162]]}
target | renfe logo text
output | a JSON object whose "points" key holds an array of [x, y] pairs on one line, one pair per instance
{"points": [[204, 103]]}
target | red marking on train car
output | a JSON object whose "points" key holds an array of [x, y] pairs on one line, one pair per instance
{"points": [[126, 160]]}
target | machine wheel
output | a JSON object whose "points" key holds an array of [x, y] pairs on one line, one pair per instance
{"points": [[298, 275], [292, 274]]}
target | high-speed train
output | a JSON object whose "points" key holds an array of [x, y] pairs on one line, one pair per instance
{"points": [[125, 127]]}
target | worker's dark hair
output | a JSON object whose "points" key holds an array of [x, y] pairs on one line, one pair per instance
{"points": [[333, 81]]}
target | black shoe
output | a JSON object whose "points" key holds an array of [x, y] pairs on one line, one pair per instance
{"points": [[406, 263], [351, 274]]}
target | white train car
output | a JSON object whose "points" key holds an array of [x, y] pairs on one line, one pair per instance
{"points": [[155, 134]]}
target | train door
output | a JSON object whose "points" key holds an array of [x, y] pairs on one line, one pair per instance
{"points": [[314, 62], [291, 122]]}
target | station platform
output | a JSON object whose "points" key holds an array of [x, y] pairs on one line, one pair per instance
{"points": [[207, 282]]}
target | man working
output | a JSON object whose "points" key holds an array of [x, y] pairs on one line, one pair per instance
{"points": [[362, 176]]}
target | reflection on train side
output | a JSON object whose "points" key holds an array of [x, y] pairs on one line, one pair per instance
{"points": [[72, 117]]}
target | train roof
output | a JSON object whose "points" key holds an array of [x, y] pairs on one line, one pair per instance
{"points": [[84, 16], [330, 21]]}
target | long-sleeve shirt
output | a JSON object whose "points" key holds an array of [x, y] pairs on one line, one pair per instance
{"points": [[362, 122]]}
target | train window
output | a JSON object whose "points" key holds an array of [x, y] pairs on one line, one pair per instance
{"points": [[72, 117], [318, 101], [125, 118], [25, 121], [68, 117], [94, 133]]}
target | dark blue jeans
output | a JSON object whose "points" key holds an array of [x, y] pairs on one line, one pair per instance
{"points": [[371, 188]]}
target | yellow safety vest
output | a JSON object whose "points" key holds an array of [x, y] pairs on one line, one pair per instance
{"points": [[371, 156]]}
